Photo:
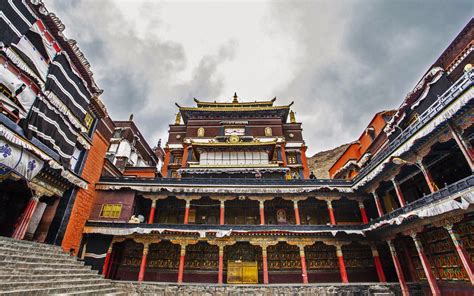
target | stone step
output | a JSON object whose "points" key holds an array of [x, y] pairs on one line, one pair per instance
{"points": [[47, 277], [35, 252], [12, 286], [71, 290], [32, 258], [108, 292], [30, 249], [6, 241], [46, 271], [40, 265]]}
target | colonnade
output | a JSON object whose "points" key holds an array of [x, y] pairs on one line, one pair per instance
{"points": [[261, 201], [259, 242]]}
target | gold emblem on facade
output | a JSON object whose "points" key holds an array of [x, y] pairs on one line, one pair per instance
{"points": [[234, 139]]}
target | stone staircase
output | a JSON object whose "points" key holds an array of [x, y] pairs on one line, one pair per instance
{"points": [[28, 268]]}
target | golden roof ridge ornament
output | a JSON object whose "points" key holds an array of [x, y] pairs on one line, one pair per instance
{"points": [[292, 117], [235, 101]]}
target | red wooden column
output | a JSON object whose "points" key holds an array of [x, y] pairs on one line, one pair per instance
{"points": [[398, 190], [304, 161], [184, 160], [265, 264], [463, 255], [426, 266], [186, 211], [332, 218], [304, 272], [398, 269], [222, 212], [428, 177], [365, 220], [463, 145], [166, 161], [297, 212], [342, 264], [283, 154], [181, 263], [220, 274], [378, 265], [25, 219], [151, 217], [105, 268], [409, 260], [141, 274], [262, 211], [377, 204]]}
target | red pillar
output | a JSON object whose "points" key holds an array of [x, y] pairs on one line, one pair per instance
{"points": [[398, 269], [151, 217], [222, 213], [184, 160], [105, 268], [332, 218], [262, 212], [297, 212], [342, 265], [186, 211], [398, 190], [426, 266], [378, 265], [377, 204], [411, 266], [304, 161], [428, 177], [166, 161], [365, 220], [181, 264], [463, 255], [283, 155], [25, 219], [304, 272], [463, 145], [141, 274], [220, 274], [265, 264]]}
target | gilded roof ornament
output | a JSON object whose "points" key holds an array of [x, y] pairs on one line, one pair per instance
{"points": [[292, 117], [235, 101], [178, 118]]}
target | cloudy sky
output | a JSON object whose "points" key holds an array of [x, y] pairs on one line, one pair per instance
{"points": [[339, 61]]}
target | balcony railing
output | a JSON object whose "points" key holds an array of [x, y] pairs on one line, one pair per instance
{"points": [[461, 85], [443, 193], [230, 181]]}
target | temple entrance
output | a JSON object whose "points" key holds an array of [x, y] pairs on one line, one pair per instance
{"points": [[243, 262], [14, 196]]}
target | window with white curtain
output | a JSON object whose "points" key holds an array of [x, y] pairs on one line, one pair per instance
{"points": [[233, 158]]}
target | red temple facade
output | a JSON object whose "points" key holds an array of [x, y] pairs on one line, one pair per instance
{"points": [[236, 203]]}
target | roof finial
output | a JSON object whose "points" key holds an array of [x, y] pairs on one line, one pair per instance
{"points": [[177, 120], [235, 98], [292, 117]]}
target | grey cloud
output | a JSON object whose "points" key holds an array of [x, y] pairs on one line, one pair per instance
{"points": [[354, 59], [362, 57], [138, 73]]}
